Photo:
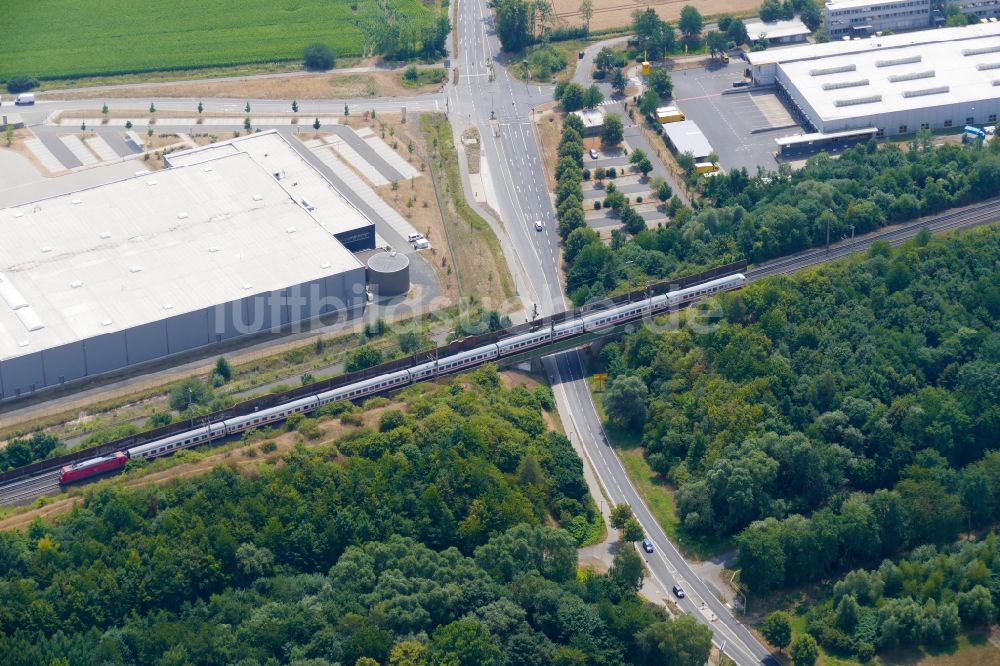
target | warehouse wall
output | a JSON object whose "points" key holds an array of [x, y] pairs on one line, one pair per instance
{"points": [[65, 363], [983, 112], [183, 332], [358, 240]]}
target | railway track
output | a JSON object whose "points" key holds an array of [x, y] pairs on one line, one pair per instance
{"points": [[966, 218], [25, 490]]}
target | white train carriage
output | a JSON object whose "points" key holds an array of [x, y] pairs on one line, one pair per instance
{"points": [[706, 288], [523, 341], [657, 303], [466, 359], [269, 415], [167, 445], [423, 371], [365, 387], [567, 328], [617, 314]]}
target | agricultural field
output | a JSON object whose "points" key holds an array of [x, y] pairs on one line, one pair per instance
{"points": [[74, 38], [610, 14]]}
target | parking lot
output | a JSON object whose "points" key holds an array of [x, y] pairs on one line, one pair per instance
{"points": [[741, 126]]}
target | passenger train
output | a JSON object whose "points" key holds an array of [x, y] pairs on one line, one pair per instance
{"points": [[593, 321]]}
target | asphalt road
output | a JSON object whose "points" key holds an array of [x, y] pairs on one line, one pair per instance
{"points": [[501, 109], [666, 565]]}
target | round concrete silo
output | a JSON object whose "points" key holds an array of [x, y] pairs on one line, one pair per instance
{"points": [[389, 274]]}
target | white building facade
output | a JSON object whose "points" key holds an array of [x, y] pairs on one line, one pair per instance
{"points": [[850, 18]]}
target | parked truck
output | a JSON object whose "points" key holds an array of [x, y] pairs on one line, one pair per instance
{"points": [[669, 114]]}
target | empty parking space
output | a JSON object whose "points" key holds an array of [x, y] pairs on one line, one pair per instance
{"points": [[80, 151], [771, 108], [44, 155], [352, 157], [101, 147], [384, 151], [354, 183]]}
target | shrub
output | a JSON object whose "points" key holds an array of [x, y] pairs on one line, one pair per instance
{"points": [[270, 446], [309, 429], [375, 402], [363, 357], [294, 421], [391, 420], [411, 73], [318, 57], [351, 419], [159, 419], [20, 83], [190, 392], [335, 408]]}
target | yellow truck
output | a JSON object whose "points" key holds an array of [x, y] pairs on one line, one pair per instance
{"points": [[669, 114], [705, 168]]}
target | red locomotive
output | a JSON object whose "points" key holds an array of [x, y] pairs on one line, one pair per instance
{"points": [[82, 470]]}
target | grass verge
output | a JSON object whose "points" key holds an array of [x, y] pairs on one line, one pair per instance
{"points": [[657, 493], [415, 78], [478, 258]]}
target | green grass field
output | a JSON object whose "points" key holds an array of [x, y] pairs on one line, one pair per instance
{"points": [[73, 38]]}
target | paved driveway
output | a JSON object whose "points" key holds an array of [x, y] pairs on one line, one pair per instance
{"points": [[741, 126]]}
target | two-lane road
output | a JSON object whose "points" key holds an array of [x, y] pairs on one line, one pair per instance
{"points": [[494, 100], [666, 565]]}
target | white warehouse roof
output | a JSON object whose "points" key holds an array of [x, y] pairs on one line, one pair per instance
{"points": [[894, 73], [687, 137], [776, 29], [151, 247], [299, 178], [870, 44]]}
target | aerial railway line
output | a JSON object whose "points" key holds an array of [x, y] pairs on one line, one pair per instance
{"points": [[26, 483], [21, 485]]}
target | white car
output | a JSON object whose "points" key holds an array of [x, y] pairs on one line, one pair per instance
{"points": [[538, 225], [593, 154], [413, 238]]}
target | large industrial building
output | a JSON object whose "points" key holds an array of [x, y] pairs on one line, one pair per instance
{"points": [[233, 239], [848, 18], [890, 85]]}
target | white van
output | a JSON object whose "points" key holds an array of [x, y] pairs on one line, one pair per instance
{"points": [[25, 99], [421, 244]]}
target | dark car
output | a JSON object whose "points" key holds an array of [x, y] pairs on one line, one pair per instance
{"points": [[678, 591], [647, 545], [740, 84]]}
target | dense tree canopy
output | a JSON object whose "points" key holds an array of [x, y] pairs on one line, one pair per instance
{"points": [[420, 543], [836, 417], [774, 214], [925, 598]]}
